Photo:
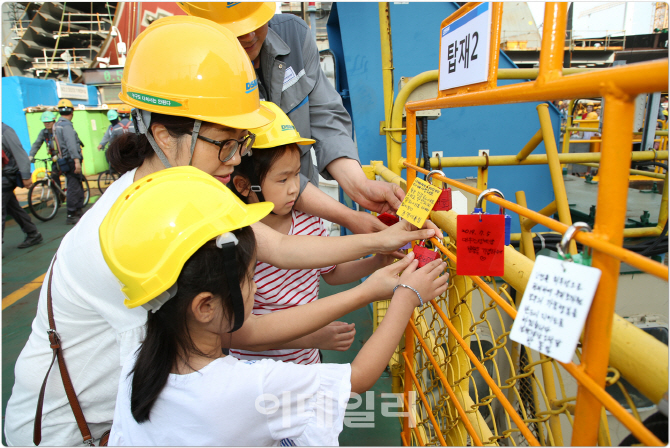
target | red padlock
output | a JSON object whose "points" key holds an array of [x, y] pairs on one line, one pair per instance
{"points": [[425, 255], [388, 219], [444, 201]]}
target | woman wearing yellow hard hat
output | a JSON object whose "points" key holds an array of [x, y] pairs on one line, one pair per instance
{"points": [[287, 59], [194, 100]]}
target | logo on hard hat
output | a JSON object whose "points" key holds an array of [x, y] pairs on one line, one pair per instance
{"points": [[251, 86], [231, 4], [287, 127]]}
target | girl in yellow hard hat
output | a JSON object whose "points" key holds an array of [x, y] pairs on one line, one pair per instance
{"points": [[272, 173], [194, 95], [190, 261]]}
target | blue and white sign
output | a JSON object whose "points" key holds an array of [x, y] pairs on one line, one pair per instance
{"points": [[464, 49]]}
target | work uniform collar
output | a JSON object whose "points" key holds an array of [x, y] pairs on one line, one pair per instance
{"points": [[274, 46]]}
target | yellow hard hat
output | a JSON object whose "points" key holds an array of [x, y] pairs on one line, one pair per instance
{"points": [[123, 109], [590, 103], [159, 221], [279, 132], [239, 17], [65, 106], [192, 67]]}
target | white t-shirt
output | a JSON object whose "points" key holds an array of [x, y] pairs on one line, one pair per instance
{"points": [[97, 333], [281, 289], [240, 403]]}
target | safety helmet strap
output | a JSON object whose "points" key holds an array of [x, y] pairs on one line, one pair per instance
{"points": [[194, 138], [142, 119]]}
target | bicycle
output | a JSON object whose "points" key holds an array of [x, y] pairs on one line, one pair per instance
{"points": [[106, 178], [45, 196]]}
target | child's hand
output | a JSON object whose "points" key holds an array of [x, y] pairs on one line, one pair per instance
{"points": [[381, 283], [426, 280], [335, 336], [402, 233]]}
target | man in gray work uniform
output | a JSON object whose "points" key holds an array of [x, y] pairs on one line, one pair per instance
{"points": [[68, 143], [15, 165], [286, 60]]}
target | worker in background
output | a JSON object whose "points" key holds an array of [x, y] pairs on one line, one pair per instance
{"points": [[68, 144], [15, 169], [46, 137], [286, 59], [113, 117]]}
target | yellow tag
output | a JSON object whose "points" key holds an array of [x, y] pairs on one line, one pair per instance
{"points": [[419, 202]]}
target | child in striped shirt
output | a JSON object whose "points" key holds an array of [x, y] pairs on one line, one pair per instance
{"points": [[272, 173]]}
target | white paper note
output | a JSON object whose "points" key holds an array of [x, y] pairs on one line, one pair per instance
{"points": [[554, 307]]}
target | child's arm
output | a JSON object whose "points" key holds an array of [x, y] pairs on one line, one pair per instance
{"points": [[315, 202], [355, 270], [310, 252], [267, 331], [335, 336], [376, 353]]}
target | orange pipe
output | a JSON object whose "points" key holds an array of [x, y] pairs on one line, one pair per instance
{"points": [[587, 238], [635, 426], [411, 144], [609, 224], [553, 42], [464, 418], [484, 373], [630, 79], [415, 427], [436, 427]]}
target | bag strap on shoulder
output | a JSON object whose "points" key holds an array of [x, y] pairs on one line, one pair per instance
{"points": [[55, 342]]}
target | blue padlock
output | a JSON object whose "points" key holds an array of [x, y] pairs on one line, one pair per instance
{"points": [[508, 218]]}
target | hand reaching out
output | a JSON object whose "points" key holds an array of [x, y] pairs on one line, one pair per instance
{"points": [[335, 336], [427, 280]]}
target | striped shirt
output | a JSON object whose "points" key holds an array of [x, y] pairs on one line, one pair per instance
{"points": [[280, 289]]}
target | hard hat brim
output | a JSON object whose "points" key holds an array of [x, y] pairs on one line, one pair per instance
{"points": [[260, 117], [286, 141]]}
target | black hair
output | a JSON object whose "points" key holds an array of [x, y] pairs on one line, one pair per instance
{"points": [[256, 167], [129, 150], [167, 338]]}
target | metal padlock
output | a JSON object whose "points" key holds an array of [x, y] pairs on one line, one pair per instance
{"points": [[585, 256], [508, 218], [425, 255], [444, 201]]}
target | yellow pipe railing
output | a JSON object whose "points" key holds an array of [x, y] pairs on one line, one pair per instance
{"points": [[534, 159]]}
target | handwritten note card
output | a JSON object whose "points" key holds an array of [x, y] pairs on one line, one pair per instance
{"points": [[480, 245], [554, 307], [419, 202]]}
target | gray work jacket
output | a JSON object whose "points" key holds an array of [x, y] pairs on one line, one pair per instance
{"points": [[293, 79], [107, 137], [11, 145], [68, 139], [45, 136]]}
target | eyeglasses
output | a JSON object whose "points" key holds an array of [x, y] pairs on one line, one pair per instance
{"points": [[230, 146]]}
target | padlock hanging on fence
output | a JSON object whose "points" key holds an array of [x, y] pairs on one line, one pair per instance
{"points": [[508, 218], [444, 201], [425, 255], [585, 256], [388, 218]]}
